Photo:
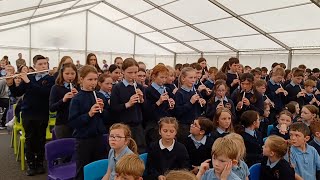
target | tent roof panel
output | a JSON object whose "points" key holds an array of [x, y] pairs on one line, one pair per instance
{"points": [[45, 17], [251, 42], [134, 25], [249, 6], [178, 48], [207, 45], [194, 11], [13, 17], [300, 39], [86, 2], [157, 37], [287, 19], [54, 8], [14, 25], [162, 2], [108, 12], [78, 9], [12, 5], [131, 6], [185, 34]]}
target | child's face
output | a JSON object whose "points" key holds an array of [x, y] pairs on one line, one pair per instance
{"points": [[130, 74], [119, 62], [257, 123], [261, 89], [285, 119], [224, 120], [277, 78], [263, 73], [309, 89], [219, 163], [212, 75], [177, 72], [266, 151], [240, 69], [93, 61], [117, 139], [195, 128], [189, 79], [297, 109], [203, 64], [161, 78], [306, 114], [106, 85], [90, 81], [246, 85], [298, 139], [257, 77], [234, 67], [221, 91], [17, 80], [126, 177], [141, 77], [69, 74], [198, 73], [266, 111], [115, 75], [297, 79], [41, 64], [170, 78], [168, 132], [247, 70]]}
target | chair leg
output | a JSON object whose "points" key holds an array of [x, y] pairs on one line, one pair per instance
{"points": [[22, 156], [18, 151], [15, 140], [11, 140]]}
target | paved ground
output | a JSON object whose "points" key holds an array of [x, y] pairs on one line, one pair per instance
{"points": [[9, 168]]}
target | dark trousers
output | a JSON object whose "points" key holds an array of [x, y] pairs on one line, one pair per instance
{"points": [[138, 136], [87, 151], [35, 139], [4, 103]]}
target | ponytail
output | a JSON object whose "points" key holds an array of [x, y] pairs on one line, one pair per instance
{"points": [[132, 145]]}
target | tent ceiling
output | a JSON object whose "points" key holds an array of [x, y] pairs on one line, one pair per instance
{"points": [[188, 26]]}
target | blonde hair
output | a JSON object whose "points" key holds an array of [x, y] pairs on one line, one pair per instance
{"points": [[278, 145], [180, 174], [238, 139], [130, 165], [127, 133], [168, 120], [183, 74], [225, 147]]}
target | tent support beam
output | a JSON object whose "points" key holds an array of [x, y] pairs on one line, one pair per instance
{"points": [[227, 10], [86, 40], [191, 26], [175, 59], [290, 59], [316, 2], [30, 43], [134, 45], [152, 27], [128, 30]]}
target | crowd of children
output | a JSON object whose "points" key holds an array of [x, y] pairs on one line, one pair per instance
{"points": [[200, 122]]}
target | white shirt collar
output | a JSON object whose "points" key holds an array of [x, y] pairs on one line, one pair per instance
{"points": [[162, 146]]}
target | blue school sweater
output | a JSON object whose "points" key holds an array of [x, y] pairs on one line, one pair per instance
{"points": [[170, 88], [253, 147], [230, 78], [56, 103], [185, 111], [155, 112], [278, 99], [120, 95], [85, 126], [212, 107], [293, 90], [35, 103], [209, 84]]}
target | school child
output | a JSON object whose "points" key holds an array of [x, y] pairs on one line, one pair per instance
{"points": [[303, 158], [115, 73], [199, 142], [166, 154], [62, 92], [188, 103], [105, 83], [219, 100], [222, 123], [180, 174], [127, 101], [264, 121], [240, 169], [64, 60], [282, 127], [211, 77], [4, 96], [247, 69], [276, 93], [233, 78], [159, 101], [141, 77], [273, 166], [295, 89], [121, 144], [35, 112], [315, 129], [294, 109], [198, 85], [310, 98], [256, 74], [224, 156], [178, 67], [87, 116], [247, 98], [264, 74], [252, 137], [171, 87], [93, 61], [261, 86], [129, 167], [309, 113]]}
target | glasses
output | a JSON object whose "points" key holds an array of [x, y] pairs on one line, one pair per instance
{"points": [[195, 126], [116, 138]]}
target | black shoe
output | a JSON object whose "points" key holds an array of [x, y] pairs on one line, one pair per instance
{"points": [[40, 169], [31, 171]]}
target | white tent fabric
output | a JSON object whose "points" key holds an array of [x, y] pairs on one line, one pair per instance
{"points": [[168, 31]]}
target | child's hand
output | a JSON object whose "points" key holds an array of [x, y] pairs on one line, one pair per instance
{"points": [[202, 101], [163, 97], [94, 109], [172, 103], [101, 103], [246, 101], [201, 87], [239, 105], [133, 100], [208, 91], [235, 81], [301, 94], [279, 90], [226, 171], [204, 167], [9, 80], [175, 90], [24, 77], [194, 98], [283, 129], [74, 91], [195, 169], [285, 93], [140, 94], [161, 177], [220, 105], [67, 96]]}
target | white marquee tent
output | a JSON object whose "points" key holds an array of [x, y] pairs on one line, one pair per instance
{"points": [[169, 31]]}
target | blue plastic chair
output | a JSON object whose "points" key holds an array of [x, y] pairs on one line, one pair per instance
{"points": [[95, 170], [270, 127], [255, 171], [144, 157]]}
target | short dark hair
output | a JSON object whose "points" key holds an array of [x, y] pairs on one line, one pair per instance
{"points": [[37, 57], [233, 60], [300, 127], [205, 124]]}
